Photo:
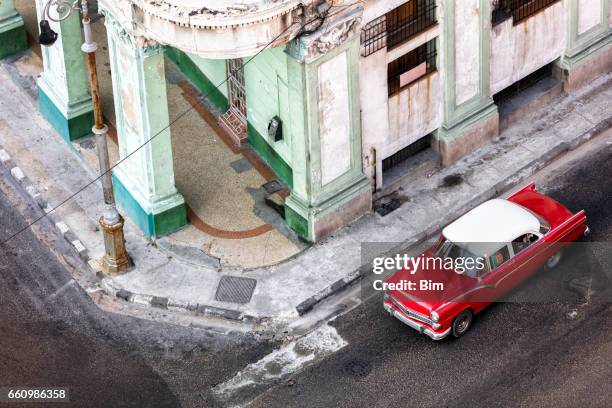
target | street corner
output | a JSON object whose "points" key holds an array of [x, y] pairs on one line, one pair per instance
{"points": [[305, 203]]}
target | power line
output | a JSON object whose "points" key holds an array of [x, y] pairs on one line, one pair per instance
{"points": [[80, 190]]}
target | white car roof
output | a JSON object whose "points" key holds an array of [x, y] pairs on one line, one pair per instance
{"points": [[496, 221]]}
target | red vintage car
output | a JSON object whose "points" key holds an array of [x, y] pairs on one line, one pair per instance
{"points": [[513, 238]]}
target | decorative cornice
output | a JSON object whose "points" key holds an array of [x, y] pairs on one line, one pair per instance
{"points": [[211, 28], [331, 34], [132, 37], [216, 14]]}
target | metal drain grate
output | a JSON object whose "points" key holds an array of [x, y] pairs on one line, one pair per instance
{"points": [[273, 186], [235, 290]]}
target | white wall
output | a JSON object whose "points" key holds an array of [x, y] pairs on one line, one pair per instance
{"points": [[390, 124], [413, 113], [334, 118], [518, 50], [374, 106], [589, 15], [467, 40]]}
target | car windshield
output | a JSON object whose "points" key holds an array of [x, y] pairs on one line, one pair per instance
{"points": [[464, 261]]}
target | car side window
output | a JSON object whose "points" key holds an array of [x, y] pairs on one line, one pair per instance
{"points": [[523, 242], [499, 257]]}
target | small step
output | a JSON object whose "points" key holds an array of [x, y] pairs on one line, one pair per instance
{"points": [[529, 100], [277, 202], [421, 163], [276, 193]]}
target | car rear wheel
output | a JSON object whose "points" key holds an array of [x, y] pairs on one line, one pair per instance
{"points": [[462, 323], [554, 260]]}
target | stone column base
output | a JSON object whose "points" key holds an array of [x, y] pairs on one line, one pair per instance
{"points": [[465, 137], [171, 217], [70, 126], [315, 223], [13, 37], [587, 69]]}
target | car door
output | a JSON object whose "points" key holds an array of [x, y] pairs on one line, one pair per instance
{"points": [[528, 256], [499, 279]]}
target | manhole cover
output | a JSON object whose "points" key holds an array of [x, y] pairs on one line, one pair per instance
{"points": [[357, 368], [241, 165], [235, 290]]}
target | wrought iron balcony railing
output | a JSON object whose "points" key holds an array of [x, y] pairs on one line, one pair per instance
{"points": [[398, 25], [518, 10]]}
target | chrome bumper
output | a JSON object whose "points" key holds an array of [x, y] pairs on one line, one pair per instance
{"points": [[416, 326]]}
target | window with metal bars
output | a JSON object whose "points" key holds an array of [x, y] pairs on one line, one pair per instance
{"points": [[398, 25], [406, 153], [412, 66], [516, 88], [519, 10]]}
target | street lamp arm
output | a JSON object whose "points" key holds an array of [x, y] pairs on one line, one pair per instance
{"points": [[63, 9]]}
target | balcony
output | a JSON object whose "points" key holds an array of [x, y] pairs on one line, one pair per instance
{"points": [[210, 28], [518, 10], [398, 25]]}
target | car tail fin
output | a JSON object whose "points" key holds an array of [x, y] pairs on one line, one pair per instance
{"points": [[528, 187]]}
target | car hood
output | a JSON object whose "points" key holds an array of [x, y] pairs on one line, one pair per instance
{"points": [[427, 299]]}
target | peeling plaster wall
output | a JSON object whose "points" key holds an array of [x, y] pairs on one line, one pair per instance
{"points": [[334, 111], [466, 50], [374, 105], [413, 113], [518, 50], [390, 124]]}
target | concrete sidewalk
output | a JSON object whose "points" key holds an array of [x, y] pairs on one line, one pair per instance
{"points": [[172, 276]]}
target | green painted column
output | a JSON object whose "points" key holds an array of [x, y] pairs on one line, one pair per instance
{"points": [[63, 89], [144, 182], [12, 30], [470, 118], [588, 52], [329, 187]]}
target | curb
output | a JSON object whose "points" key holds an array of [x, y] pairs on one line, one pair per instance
{"points": [[337, 286], [19, 176], [177, 305], [502, 186], [75, 243]]}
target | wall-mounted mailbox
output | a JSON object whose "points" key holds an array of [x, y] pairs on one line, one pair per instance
{"points": [[275, 129]]}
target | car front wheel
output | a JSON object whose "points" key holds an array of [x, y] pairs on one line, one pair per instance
{"points": [[462, 323]]}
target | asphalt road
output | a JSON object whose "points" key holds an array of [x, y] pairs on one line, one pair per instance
{"points": [[554, 353], [53, 335]]}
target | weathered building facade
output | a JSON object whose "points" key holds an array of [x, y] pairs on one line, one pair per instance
{"points": [[333, 96]]}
